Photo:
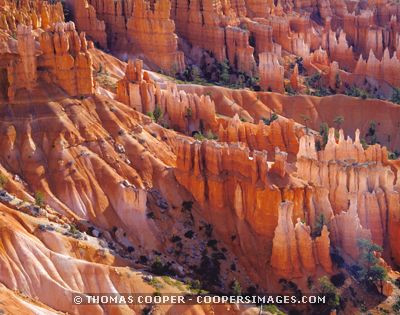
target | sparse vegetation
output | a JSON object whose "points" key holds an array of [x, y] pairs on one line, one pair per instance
{"points": [[338, 121], [187, 205], [314, 80], [324, 132], [305, 119], [218, 73], [208, 229], [188, 112], [39, 199], [189, 234], [310, 282], [320, 221], [364, 143], [209, 270], [300, 64], [357, 92], [338, 279], [327, 289], [273, 309], [395, 96], [208, 136], [314, 86], [175, 238], [371, 272], [371, 136], [337, 259], [156, 283], [290, 286], [159, 268], [3, 180], [172, 282], [195, 285], [269, 120], [150, 215], [104, 79], [151, 115], [224, 76], [396, 306], [157, 113], [235, 288], [73, 229], [289, 90], [393, 155]]}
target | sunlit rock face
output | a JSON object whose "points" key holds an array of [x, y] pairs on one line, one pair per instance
{"points": [[132, 27], [360, 184], [65, 55]]}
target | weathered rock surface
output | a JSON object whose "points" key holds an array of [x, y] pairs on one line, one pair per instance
{"points": [[67, 60], [132, 27], [120, 186], [271, 73], [293, 249]]}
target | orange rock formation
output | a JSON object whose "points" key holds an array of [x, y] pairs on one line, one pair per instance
{"points": [[107, 179], [140, 27]]}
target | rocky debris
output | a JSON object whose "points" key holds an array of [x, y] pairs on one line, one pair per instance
{"points": [[96, 233], [119, 148], [126, 183]]}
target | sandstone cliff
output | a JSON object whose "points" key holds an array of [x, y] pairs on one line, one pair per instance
{"points": [[65, 57], [139, 26]]}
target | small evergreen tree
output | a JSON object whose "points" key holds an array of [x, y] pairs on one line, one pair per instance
{"points": [[3, 180], [305, 119], [371, 271], [39, 199], [327, 289], [396, 306], [236, 289], [396, 96], [319, 224], [268, 121], [151, 115], [371, 136], [338, 82], [324, 132], [338, 121], [224, 76], [187, 205], [157, 113], [188, 112]]}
